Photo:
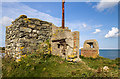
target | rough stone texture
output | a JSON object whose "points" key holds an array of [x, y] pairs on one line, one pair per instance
{"points": [[106, 69], [23, 36], [90, 49], [76, 43], [63, 42]]}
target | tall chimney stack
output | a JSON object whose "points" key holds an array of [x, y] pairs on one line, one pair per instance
{"points": [[63, 23]]}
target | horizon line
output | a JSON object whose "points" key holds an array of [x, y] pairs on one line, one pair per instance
{"points": [[104, 48]]}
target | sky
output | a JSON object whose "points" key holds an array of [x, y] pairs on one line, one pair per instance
{"points": [[94, 20]]}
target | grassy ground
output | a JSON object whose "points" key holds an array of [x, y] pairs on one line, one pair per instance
{"points": [[101, 62], [0, 67], [53, 66]]}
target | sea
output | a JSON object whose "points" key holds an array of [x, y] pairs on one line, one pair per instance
{"points": [[109, 53]]}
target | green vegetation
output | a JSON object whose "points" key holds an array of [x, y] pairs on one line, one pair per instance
{"points": [[52, 66], [48, 66], [42, 64], [2, 49], [100, 62], [0, 67]]}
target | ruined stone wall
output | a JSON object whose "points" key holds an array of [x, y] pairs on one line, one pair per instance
{"points": [[25, 34], [89, 53], [90, 49], [76, 42], [63, 42]]}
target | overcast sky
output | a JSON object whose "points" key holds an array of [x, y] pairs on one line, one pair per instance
{"points": [[94, 20]]}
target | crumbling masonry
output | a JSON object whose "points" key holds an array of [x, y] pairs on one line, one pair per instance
{"points": [[28, 33], [90, 49]]}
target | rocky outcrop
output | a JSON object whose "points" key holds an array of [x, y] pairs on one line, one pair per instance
{"points": [[25, 34]]}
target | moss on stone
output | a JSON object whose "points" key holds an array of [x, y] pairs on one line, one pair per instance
{"points": [[27, 20]]}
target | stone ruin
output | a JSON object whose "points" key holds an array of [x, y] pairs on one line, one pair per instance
{"points": [[28, 33], [90, 49], [64, 42]]}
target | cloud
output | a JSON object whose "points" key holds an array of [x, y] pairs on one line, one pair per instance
{"points": [[31, 1], [113, 33], [12, 10], [97, 30], [84, 25], [74, 25], [105, 4], [15, 9], [5, 21], [78, 26]]}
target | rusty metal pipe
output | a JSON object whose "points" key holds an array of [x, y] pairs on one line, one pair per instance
{"points": [[63, 23]]}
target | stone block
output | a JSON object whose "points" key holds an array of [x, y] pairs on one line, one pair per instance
{"points": [[45, 25], [38, 27], [37, 22], [34, 35], [25, 29], [31, 26], [38, 32], [34, 31], [19, 44]]}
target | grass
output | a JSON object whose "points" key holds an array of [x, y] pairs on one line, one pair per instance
{"points": [[100, 62], [53, 66], [0, 67]]}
